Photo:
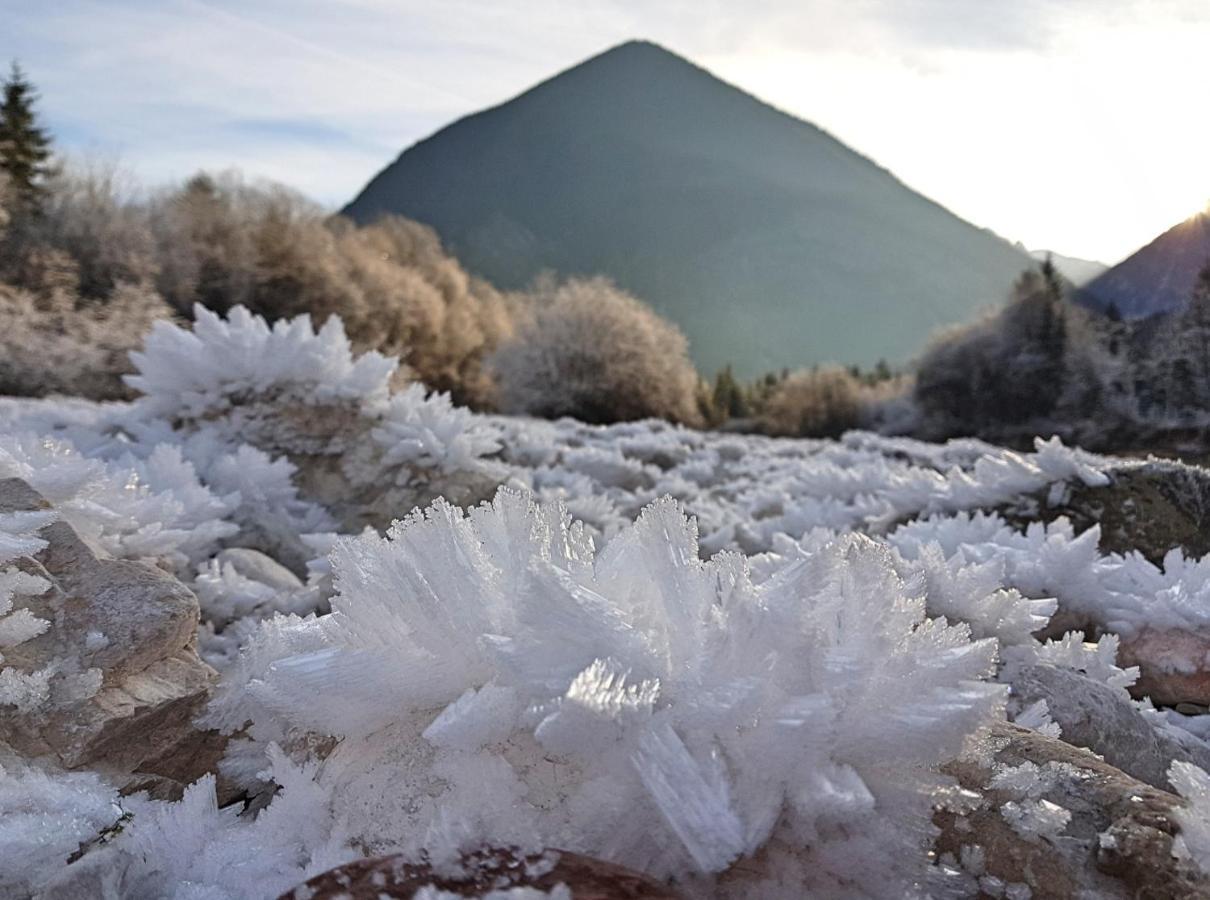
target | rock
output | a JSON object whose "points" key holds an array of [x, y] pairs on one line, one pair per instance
{"points": [[260, 567], [1117, 843], [1102, 719], [358, 493], [388, 877], [1149, 506], [128, 682], [1174, 665]]}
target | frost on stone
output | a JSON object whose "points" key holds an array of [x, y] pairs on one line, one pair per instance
{"points": [[1192, 842], [1037, 717], [558, 892], [428, 431], [194, 848], [974, 592], [1033, 819], [219, 363], [44, 819], [151, 507], [1098, 661], [23, 691], [635, 703]]}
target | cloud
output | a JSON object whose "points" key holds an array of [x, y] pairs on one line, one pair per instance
{"points": [[980, 105]]}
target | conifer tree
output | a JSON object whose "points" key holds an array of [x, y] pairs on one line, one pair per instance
{"points": [[24, 145]]}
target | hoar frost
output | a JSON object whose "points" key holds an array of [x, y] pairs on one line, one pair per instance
{"points": [[494, 679], [559, 667]]}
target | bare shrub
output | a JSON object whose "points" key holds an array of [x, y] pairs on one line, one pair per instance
{"points": [[823, 402], [592, 351], [49, 344]]}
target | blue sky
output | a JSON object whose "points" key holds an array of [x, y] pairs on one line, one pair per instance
{"points": [[1074, 125]]}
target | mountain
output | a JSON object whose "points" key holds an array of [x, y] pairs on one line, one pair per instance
{"points": [[1158, 278], [1077, 271], [768, 241]]}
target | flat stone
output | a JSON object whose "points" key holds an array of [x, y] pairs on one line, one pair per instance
{"points": [[387, 877], [257, 566], [1117, 844], [1150, 506], [1174, 665], [1102, 719], [128, 681]]}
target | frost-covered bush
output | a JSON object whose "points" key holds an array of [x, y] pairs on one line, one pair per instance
{"points": [[813, 403], [494, 679], [595, 353], [91, 216], [50, 345], [1006, 369]]}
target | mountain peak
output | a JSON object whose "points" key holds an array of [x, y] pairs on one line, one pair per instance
{"points": [[769, 242]]}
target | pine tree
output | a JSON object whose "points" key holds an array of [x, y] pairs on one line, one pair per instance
{"points": [[24, 145], [1195, 330]]}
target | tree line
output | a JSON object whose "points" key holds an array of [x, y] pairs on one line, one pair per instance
{"points": [[88, 262]]}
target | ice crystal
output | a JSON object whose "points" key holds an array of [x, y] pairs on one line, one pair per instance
{"points": [[694, 716], [193, 373]]}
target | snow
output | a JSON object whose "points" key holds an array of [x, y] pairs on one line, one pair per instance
{"points": [[666, 648]]}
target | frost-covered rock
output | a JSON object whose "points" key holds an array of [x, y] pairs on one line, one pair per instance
{"points": [[1062, 823], [1093, 715], [310, 407], [148, 507], [1175, 663], [45, 818], [219, 365], [195, 848], [1146, 507], [775, 725], [636, 703], [116, 681], [495, 874]]}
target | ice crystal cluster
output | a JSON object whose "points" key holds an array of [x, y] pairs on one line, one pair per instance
{"points": [[735, 663]]}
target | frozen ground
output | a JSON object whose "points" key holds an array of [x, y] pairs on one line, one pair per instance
{"points": [[662, 647]]}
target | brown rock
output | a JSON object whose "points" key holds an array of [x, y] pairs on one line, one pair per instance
{"points": [[1118, 843], [1161, 655], [491, 869], [129, 681], [1149, 506]]}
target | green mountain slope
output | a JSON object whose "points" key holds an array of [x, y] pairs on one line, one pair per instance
{"points": [[767, 240]]}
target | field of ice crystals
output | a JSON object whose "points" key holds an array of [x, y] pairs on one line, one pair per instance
{"points": [[670, 649]]}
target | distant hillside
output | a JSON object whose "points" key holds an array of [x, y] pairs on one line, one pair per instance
{"points": [[1158, 278], [1077, 271], [767, 240]]}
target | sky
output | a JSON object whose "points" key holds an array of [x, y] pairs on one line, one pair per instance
{"points": [[1078, 126]]}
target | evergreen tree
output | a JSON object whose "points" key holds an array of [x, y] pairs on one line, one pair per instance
{"points": [[1195, 335], [1051, 276], [24, 145]]}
